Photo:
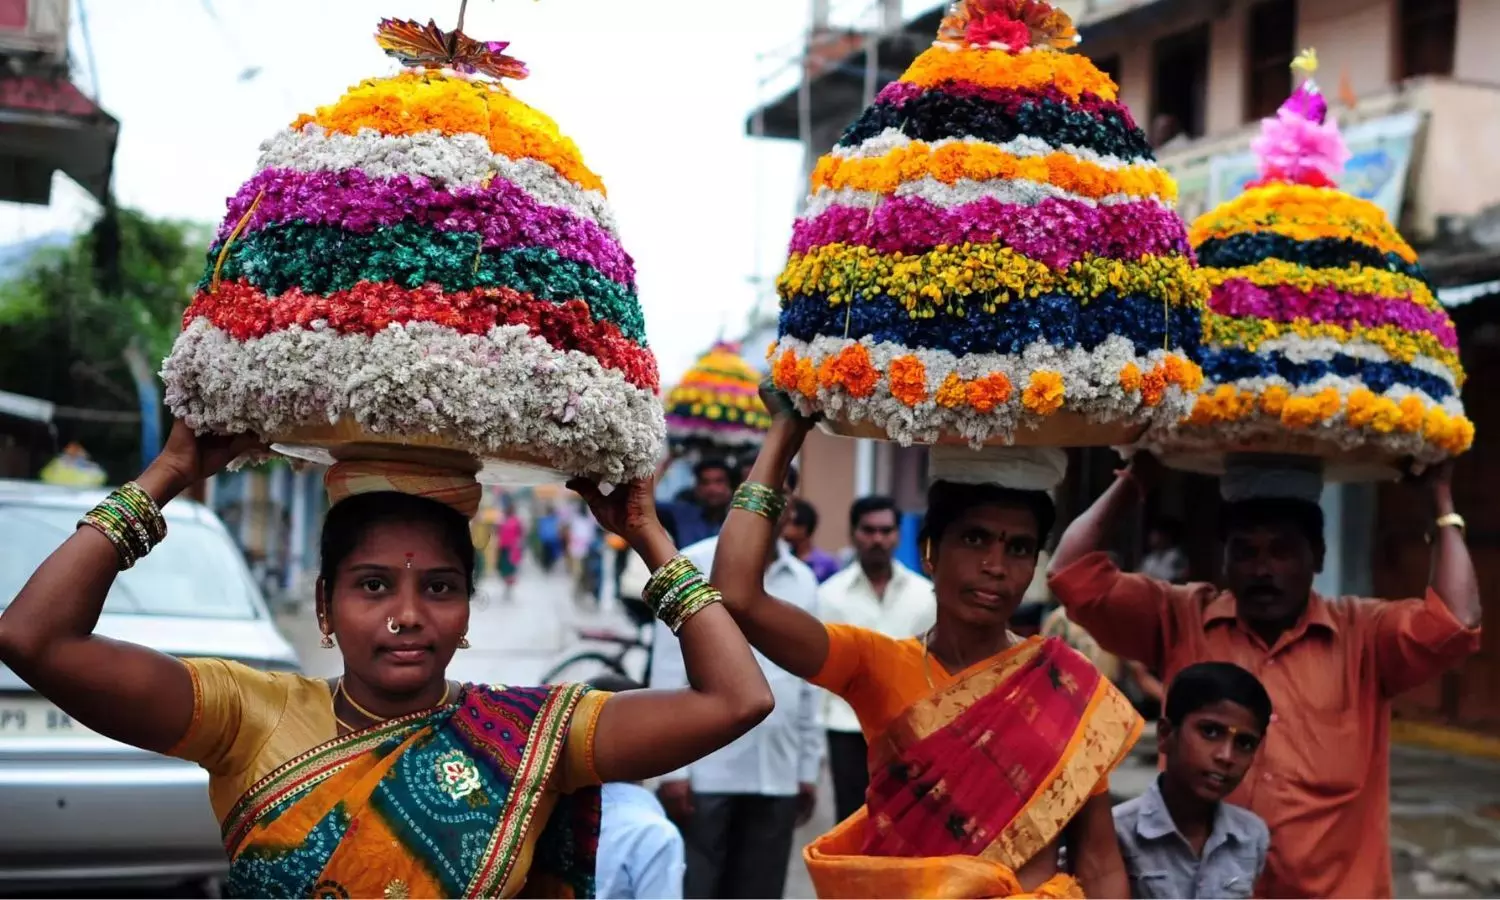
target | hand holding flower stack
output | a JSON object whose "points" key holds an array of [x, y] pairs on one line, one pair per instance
{"points": [[1323, 336], [427, 261], [990, 254]]}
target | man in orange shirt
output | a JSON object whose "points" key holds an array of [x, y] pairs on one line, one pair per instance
{"points": [[1322, 779]]}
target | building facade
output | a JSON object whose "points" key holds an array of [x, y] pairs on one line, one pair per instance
{"points": [[1416, 87]]}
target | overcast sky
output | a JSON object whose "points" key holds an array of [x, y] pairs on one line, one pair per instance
{"points": [[655, 93]]}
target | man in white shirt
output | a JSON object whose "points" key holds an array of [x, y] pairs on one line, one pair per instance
{"points": [[881, 594], [739, 806], [641, 855]]}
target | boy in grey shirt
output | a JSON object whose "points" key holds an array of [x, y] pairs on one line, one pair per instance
{"points": [[1179, 839]]}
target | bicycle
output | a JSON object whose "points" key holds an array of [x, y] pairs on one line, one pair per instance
{"points": [[588, 663]]}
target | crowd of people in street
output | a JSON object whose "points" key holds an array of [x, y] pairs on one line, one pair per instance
{"points": [[1308, 775]]}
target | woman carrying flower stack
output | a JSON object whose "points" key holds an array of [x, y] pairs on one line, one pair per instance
{"points": [[390, 780], [988, 753]]}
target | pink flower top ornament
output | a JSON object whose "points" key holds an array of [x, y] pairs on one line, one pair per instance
{"points": [[1300, 144]]}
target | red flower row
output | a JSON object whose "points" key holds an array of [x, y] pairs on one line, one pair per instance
{"points": [[247, 313]]}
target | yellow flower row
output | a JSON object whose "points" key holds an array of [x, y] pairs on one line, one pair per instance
{"points": [[1302, 213], [682, 394], [1272, 273], [1402, 345], [951, 163], [1071, 73], [940, 279], [416, 103], [1363, 409]]}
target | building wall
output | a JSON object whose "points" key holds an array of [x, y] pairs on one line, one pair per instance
{"points": [[1355, 40], [826, 465]]}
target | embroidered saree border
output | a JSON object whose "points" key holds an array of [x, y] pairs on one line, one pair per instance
{"points": [[1108, 728], [544, 745], [939, 709], [1111, 727], [306, 771]]}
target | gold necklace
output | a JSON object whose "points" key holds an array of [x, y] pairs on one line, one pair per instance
{"points": [[1010, 641], [447, 686]]}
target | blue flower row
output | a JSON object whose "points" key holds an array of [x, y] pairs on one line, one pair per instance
{"points": [[1251, 247], [1232, 364], [1057, 319]]}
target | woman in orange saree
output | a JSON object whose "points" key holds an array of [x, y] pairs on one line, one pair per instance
{"points": [[989, 754], [390, 780]]}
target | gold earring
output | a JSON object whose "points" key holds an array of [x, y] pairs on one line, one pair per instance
{"points": [[463, 642]]}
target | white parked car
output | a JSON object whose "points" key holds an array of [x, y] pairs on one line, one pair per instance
{"points": [[77, 809]]}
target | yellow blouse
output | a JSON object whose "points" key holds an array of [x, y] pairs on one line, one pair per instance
{"points": [[247, 723]]}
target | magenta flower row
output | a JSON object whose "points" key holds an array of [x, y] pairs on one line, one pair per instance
{"points": [[1055, 231], [504, 214], [1284, 303]]}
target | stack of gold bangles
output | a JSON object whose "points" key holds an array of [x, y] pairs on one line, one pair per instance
{"points": [[131, 520], [759, 499], [678, 591]]}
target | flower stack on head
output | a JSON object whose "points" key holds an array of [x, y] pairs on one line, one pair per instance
{"points": [[426, 262], [717, 405], [1322, 336], [990, 254]]}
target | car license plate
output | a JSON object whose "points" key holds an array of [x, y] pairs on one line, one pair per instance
{"points": [[26, 717]]}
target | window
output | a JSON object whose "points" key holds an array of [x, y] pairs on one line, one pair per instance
{"points": [[1273, 45], [1179, 86], [1110, 65], [1425, 35]]}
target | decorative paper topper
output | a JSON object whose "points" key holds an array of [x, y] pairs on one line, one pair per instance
{"points": [[1014, 24], [430, 47], [1300, 144]]}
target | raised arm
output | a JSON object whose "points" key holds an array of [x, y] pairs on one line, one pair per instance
{"points": [[643, 734], [789, 636], [121, 690], [1090, 532], [1453, 576]]}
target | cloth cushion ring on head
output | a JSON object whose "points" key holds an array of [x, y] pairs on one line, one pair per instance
{"points": [[450, 487], [1017, 468]]}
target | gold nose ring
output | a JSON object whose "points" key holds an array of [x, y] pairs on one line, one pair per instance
{"points": [[391, 626]]}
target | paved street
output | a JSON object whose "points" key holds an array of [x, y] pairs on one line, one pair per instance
{"points": [[1445, 811]]}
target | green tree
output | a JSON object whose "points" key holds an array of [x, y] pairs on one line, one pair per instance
{"points": [[72, 318]]}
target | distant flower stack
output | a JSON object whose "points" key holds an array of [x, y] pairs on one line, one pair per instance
{"points": [[427, 258], [717, 404], [1323, 335], [989, 246]]}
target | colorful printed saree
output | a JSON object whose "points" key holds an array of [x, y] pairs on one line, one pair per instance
{"points": [[972, 781], [442, 803]]}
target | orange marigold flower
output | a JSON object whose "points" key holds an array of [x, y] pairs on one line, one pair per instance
{"points": [[850, 369], [1328, 403], [989, 392], [952, 394], [1044, 393], [784, 372], [1203, 411], [1182, 372], [1434, 423], [1412, 411], [908, 380], [1301, 412], [1130, 378], [1385, 416], [1362, 404], [1273, 401], [807, 378], [1153, 386]]}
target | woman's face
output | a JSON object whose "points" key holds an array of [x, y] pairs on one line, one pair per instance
{"points": [[400, 571], [983, 563]]}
